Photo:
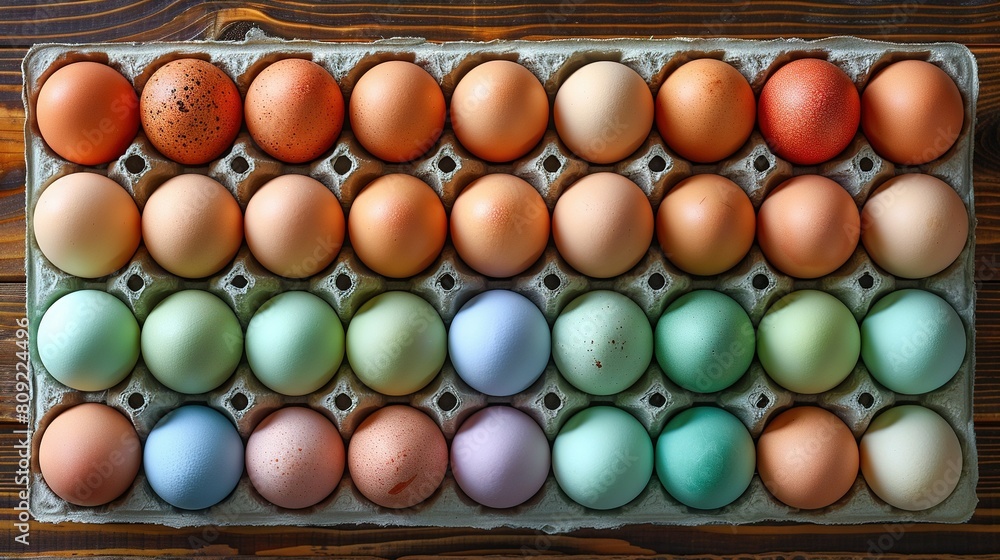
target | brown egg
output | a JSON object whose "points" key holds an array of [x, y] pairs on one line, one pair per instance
{"points": [[87, 113], [603, 112], [397, 111], [807, 457], [294, 226], [705, 110], [89, 455], [192, 226], [397, 225], [294, 110], [603, 225], [914, 225], [808, 226], [499, 110], [191, 111], [86, 225], [705, 224], [397, 457], [912, 112], [499, 225]]}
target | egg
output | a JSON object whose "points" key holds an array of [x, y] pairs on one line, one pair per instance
{"points": [[86, 225], [499, 111], [500, 457], [912, 341], [602, 342], [705, 457], [294, 226], [911, 457], [808, 342], [396, 343], [191, 342], [88, 340], [295, 457], [704, 341], [397, 111], [295, 343], [603, 112], [193, 457], [705, 110], [914, 225], [499, 225], [809, 111], [87, 113], [192, 226], [912, 112], [602, 225], [808, 226], [397, 457], [397, 225], [499, 343], [294, 110], [602, 458], [191, 111], [807, 457], [705, 224], [89, 454]]}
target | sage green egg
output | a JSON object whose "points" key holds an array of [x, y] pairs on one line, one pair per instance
{"points": [[396, 343], [88, 340], [295, 343], [808, 342], [704, 341], [602, 342], [192, 342]]}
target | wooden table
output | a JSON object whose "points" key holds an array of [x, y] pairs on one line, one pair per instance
{"points": [[977, 24]]}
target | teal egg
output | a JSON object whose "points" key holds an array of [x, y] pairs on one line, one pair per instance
{"points": [[912, 341], [704, 341], [602, 457], [705, 457], [295, 343], [88, 340]]}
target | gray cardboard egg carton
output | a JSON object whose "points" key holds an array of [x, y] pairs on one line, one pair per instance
{"points": [[550, 283]]}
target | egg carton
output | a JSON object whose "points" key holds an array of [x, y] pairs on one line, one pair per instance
{"points": [[448, 283]]}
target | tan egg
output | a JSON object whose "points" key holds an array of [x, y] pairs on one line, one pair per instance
{"points": [[914, 225], [705, 224], [705, 110], [86, 225], [499, 110], [603, 225], [397, 225], [604, 112], [192, 226], [294, 110], [499, 225], [397, 111], [294, 226]]}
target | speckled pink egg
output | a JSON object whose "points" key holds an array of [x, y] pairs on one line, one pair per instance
{"points": [[397, 457], [295, 457]]}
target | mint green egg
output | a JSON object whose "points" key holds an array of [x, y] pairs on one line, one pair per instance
{"points": [[705, 457], [192, 342], [808, 342], [704, 341], [602, 457], [88, 340], [295, 343], [912, 341], [396, 343]]}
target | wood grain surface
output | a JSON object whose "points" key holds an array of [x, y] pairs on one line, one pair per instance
{"points": [[976, 24]]}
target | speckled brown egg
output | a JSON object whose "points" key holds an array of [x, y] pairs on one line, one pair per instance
{"points": [[191, 111], [397, 457], [294, 110]]}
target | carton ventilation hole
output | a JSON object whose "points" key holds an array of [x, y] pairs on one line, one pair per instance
{"points": [[135, 164], [657, 400], [551, 164], [761, 164], [762, 401], [552, 401], [446, 281], [343, 401], [135, 282], [656, 281], [866, 281], [239, 401], [239, 164], [446, 164], [447, 401], [343, 282], [552, 282], [761, 281], [866, 164], [136, 400], [239, 281], [342, 165], [657, 164], [866, 400]]}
